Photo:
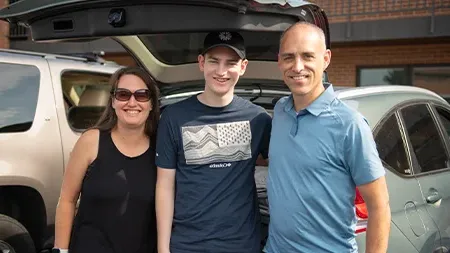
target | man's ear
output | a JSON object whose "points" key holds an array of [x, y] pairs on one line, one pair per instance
{"points": [[201, 62], [244, 64], [327, 58]]}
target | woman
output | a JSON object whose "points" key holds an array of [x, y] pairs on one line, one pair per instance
{"points": [[112, 166]]}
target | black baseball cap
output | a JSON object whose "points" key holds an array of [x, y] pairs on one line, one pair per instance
{"points": [[232, 40]]}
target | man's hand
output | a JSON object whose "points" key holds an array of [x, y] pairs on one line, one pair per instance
{"points": [[376, 197]]}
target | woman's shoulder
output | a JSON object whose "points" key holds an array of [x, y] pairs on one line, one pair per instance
{"points": [[88, 143], [90, 136]]}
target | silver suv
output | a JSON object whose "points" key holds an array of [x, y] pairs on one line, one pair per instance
{"points": [[42, 103]]}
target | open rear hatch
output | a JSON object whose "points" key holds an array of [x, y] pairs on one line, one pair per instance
{"points": [[57, 20], [166, 36]]}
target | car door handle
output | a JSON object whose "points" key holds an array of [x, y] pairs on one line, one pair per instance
{"points": [[433, 198]]}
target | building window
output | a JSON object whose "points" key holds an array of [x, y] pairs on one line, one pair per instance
{"points": [[435, 78], [382, 76], [431, 77]]}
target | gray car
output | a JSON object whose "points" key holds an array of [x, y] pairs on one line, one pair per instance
{"points": [[411, 125]]}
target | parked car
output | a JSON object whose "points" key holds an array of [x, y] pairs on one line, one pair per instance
{"points": [[409, 124], [39, 125]]}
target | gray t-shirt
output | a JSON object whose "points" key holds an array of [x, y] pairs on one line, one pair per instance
{"points": [[214, 151]]}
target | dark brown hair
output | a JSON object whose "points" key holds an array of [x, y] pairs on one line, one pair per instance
{"points": [[108, 120]]}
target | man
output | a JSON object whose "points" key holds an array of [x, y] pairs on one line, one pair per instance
{"points": [[320, 151], [207, 146]]}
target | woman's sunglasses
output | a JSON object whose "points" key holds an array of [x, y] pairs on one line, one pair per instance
{"points": [[142, 95]]}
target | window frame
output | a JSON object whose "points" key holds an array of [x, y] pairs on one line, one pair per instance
{"points": [[376, 131], [65, 98], [443, 132], [437, 123]]}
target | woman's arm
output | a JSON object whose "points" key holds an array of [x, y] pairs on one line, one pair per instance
{"points": [[83, 153]]}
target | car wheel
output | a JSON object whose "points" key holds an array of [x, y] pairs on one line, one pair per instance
{"points": [[14, 238]]}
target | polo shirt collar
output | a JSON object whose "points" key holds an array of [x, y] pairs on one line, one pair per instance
{"points": [[317, 106]]}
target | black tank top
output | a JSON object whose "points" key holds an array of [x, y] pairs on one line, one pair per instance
{"points": [[117, 207]]}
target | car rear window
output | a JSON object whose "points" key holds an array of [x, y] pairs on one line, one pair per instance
{"points": [[179, 48]]}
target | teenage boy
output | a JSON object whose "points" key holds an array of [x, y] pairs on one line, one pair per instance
{"points": [[207, 147]]}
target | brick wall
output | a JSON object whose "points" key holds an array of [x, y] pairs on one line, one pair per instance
{"points": [[4, 28], [361, 10], [345, 59]]}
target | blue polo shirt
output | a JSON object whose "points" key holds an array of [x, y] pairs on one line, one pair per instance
{"points": [[316, 159]]}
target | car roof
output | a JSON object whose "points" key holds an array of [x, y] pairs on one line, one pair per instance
{"points": [[81, 58], [344, 92]]}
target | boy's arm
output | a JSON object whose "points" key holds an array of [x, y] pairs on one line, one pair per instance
{"points": [[165, 194], [166, 162]]}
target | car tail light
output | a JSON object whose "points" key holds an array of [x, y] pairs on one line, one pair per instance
{"points": [[361, 213]]}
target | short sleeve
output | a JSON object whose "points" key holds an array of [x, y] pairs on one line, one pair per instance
{"points": [[267, 123], [360, 153], [166, 150]]}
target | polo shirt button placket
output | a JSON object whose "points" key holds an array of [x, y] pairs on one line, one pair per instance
{"points": [[295, 126]]}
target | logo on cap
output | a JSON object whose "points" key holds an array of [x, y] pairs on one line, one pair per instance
{"points": [[225, 36]]}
